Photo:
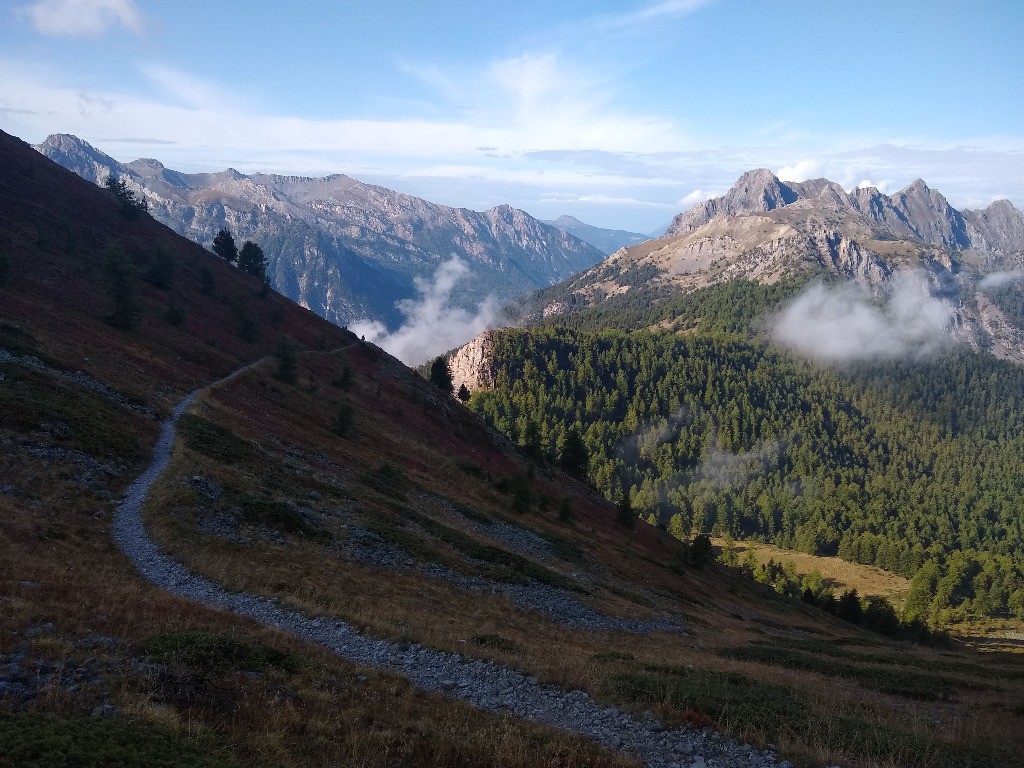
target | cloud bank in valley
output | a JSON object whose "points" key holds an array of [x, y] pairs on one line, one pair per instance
{"points": [[843, 323], [999, 279], [432, 325]]}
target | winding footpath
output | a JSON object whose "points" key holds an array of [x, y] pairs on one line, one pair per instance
{"points": [[485, 684]]}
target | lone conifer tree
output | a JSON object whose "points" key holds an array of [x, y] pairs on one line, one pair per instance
{"points": [[119, 282], [287, 362], [224, 246], [440, 376], [252, 261], [624, 514], [463, 393], [572, 453]]}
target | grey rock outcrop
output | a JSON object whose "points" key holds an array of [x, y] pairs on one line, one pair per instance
{"points": [[471, 364]]}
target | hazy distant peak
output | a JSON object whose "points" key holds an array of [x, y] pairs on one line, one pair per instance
{"points": [[566, 221], [608, 241]]}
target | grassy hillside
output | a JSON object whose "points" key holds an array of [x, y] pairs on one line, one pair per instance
{"points": [[346, 486]]}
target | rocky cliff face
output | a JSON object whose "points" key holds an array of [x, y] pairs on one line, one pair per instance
{"points": [[471, 365], [345, 249]]}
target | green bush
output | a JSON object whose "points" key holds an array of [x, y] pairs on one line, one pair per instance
{"points": [[119, 283], [41, 740], [272, 513], [162, 271], [212, 440], [343, 420], [287, 362], [210, 651]]}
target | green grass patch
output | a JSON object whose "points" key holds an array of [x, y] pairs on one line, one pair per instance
{"points": [[74, 417], [17, 342], [608, 657], [891, 679], [564, 549], [415, 533], [388, 480], [40, 740], [728, 698], [747, 706], [270, 513], [210, 651], [497, 642], [213, 440]]}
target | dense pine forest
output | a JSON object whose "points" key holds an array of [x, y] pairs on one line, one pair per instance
{"points": [[911, 466]]}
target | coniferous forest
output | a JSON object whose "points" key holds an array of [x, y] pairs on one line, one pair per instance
{"points": [[913, 466]]}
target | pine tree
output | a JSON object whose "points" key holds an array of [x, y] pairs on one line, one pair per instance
{"points": [[131, 207], [572, 453], [252, 261], [624, 514], [119, 282], [287, 362], [463, 393], [224, 246], [441, 376], [343, 420]]}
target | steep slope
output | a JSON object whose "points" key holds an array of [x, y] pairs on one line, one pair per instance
{"points": [[345, 249], [336, 483], [608, 241], [766, 230]]}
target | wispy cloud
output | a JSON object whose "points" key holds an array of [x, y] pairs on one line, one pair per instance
{"points": [[843, 323], [82, 18], [651, 13], [432, 325], [995, 280]]}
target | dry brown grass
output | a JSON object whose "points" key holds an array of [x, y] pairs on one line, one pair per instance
{"points": [[842, 574]]}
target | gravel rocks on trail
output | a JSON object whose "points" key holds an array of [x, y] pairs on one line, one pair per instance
{"points": [[485, 684]]}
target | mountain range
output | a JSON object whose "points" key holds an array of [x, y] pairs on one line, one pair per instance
{"points": [[347, 250], [764, 230]]}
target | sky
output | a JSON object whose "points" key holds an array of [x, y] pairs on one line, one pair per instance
{"points": [[619, 113]]}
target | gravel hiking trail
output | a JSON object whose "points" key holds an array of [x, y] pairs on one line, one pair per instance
{"points": [[484, 684]]}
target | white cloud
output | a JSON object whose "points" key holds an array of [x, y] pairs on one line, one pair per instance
{"points": [[82, 18], [697, 196], [801, 171], [999, 279], [841, 323], [432, 325], [882, 186], [652, 12]]}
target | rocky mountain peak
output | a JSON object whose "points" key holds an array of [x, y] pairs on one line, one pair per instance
{"points": [[998, 227], [755, 191]]}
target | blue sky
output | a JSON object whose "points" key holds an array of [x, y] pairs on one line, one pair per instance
{"points": [[621, 113]]}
